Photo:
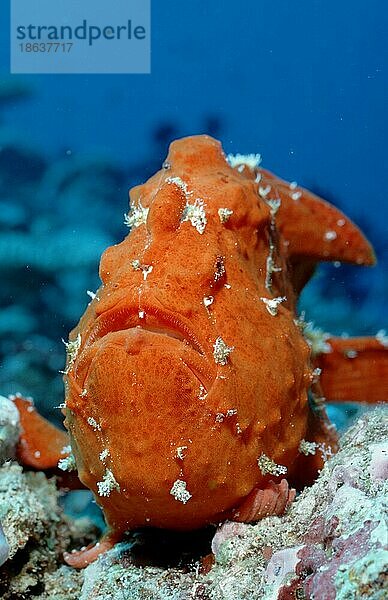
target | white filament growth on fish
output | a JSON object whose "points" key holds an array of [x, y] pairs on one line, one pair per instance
{"points": [[272, 304], [180, 492], [72, 348], [136, 216], [252, 161], [108, 484], [268, 467]]}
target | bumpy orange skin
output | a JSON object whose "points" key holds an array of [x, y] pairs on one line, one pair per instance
{"points": [[145, 385]]}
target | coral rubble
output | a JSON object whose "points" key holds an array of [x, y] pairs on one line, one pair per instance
{"points": [[33, 530]]}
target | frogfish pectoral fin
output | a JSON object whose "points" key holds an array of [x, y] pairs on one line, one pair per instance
{"points": [[263, 502], [82, 558], [355, 370], [41, 444]]}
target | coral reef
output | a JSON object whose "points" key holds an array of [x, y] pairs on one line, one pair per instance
{"points": [[330, 545]]}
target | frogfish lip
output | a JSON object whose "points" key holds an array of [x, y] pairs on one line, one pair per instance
{"points": [[160, 322], [147, 317]]}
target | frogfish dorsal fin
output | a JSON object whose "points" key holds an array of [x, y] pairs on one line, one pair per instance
{"points": [[314, 230]]}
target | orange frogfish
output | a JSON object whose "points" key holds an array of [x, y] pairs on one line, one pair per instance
{"points": [[194, 394]]}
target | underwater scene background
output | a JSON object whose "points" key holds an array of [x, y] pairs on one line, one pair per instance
{"points": [[303, 83]]}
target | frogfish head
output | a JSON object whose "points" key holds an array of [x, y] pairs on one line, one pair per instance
{"points": [[187, 372]]}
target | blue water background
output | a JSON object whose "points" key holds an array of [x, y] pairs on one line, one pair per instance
{"points": [[303, 82]]}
